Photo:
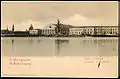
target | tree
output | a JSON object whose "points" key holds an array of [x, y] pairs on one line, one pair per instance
{"points": [[7, 28], [13, 27]]}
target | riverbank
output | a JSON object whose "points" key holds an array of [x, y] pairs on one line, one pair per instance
{"points": [[60, 36]]}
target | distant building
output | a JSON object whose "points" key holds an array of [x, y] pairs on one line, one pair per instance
{"points": [[106, 30], [20, 33], [48, 32], [31, 27], [6, 31], [76, 31], [94, 30], [81, 30], [89, 30], [35, 32], [60, 29]]}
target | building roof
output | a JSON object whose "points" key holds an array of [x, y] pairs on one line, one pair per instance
{"points": [[93, 26], [4, 30], [72, 26], [49, 26], [20, 31]]}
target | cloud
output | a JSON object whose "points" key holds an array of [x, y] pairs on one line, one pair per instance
{"points": [[22, 14], [26, 24], [76, 19], [79, 20]]}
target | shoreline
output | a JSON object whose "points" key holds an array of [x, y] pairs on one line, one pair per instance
{"points": [[60, 36]]}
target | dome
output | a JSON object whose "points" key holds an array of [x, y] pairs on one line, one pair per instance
{"points": [[31, 27]]}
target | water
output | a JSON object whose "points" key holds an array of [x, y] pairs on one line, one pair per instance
{"points": [[67, 46]]}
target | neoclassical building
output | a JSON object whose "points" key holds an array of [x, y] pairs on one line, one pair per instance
{"points": [[48, 31], [93, 30], [106, 30], [76, 31]]}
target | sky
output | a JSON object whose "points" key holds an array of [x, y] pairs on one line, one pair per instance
{"points": [[41, 14]]}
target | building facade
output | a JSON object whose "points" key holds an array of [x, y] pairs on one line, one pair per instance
{"points": [[89, 30], [76, 31], [93, 30], [60, 29], [106, 30], [33, 32], [48, 32]]}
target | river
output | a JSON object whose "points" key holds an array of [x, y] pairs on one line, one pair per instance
{"points": [[63, 46]]}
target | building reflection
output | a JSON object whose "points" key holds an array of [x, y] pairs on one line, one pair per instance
{"points": [[38, 41], [104, 45], [101, 46], [12, 41], [31, 41], [58, 45], [105, 41], [13, 44], [99, 42]]}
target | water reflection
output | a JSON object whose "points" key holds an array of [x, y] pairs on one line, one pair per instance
{"points": [[58, 45], [38, 41], [60, 41], [104, 47], [31, 41], [12, 41]]}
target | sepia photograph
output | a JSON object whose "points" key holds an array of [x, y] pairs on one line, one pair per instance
{"points": [[59, 39]]}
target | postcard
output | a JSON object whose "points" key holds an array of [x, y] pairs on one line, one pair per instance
{"points": [[59, 39]]}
